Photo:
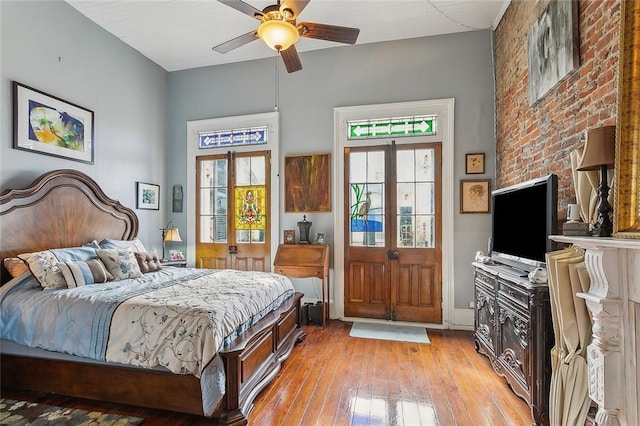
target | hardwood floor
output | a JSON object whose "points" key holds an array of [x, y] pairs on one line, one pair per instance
{"points": [[334, 379]]}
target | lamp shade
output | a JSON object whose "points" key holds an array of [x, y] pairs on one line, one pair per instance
{"points": [[599, 150], [277, 34], [172, 234]]}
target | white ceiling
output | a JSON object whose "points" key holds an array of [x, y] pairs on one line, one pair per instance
{"points": [[179, 34]]}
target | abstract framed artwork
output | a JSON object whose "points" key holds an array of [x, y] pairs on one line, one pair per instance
{"points": [[475, 196], [48, 125], [147, 196], [474, 164], [307, 183], [553, 47]]}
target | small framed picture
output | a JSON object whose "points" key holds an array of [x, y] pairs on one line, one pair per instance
{"points": [[177, 255], [147, 196], [474, 164], [289, 236], [475, 195]]}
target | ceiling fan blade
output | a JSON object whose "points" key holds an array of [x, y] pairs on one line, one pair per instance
{"points": [[243, 7], [296, 6], [291, 59], [234, 43], [328, 32]]}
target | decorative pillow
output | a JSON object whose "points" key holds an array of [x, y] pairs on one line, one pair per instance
{"points": [[121, 263], [44, 264], [84, 272], [135, 245], [15, 266], [148, 262]]}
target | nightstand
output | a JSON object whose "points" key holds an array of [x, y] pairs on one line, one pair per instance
{"points": [[176, 263]]}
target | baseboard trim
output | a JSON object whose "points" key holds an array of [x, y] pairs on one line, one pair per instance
{"points": [[462, 320]]}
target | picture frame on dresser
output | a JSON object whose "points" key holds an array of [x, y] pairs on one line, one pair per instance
{"points": [[46, 124], [177, 255]]}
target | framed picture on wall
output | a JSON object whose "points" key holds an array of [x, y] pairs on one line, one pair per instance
{"points": [[475, 196], [474, 164], [147, 196], [307, 183], [48, 125]]}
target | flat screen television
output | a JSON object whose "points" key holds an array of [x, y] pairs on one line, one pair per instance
{"points": [[523, 217]]}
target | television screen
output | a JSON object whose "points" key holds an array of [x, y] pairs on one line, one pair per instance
{"points": [[523, 217]]}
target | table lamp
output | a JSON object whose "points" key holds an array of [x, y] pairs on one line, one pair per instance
{"points": [[599, 154], [169, 233]]}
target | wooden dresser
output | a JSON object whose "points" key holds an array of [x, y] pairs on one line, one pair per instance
{"points": [[514, 328], [306, 261]]}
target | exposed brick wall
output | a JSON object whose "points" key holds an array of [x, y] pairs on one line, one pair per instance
{"points": [[535, 141]]}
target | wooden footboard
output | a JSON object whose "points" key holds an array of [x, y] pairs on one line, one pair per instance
{"points": [[250, 364]]}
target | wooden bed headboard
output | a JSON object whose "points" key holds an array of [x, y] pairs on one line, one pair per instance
{"points": [[62, 208]]}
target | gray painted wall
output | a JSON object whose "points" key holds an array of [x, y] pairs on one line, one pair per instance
{"points": [[51, 47], [453, 66], [142, 112]]}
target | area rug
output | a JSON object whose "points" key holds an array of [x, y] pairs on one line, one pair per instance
{"points": [[29, 413], [398, 333]]}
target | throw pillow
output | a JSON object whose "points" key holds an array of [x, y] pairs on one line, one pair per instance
{"points": [[81, 273], [148, 262], [121, 263]]}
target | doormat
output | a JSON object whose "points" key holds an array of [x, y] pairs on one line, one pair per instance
{"points": [[398, 333], [30, 413]]}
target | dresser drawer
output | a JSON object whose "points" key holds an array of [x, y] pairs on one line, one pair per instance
{"points": [[514, 293], [485, 280]]}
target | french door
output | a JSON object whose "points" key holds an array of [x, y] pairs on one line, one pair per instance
{"points": [[393, 232], [233, 223]]}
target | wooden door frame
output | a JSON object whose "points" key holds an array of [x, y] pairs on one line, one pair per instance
{"points": [[269, 119], [444, 109]]}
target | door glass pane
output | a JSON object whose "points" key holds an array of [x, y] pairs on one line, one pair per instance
{"points": [[213, 229], [357, 171], [213, 201], [406, 172], [243, 171], [425, 202], [375, 166], [425, 234], [425, 168], [366, 198], [415, 198]]}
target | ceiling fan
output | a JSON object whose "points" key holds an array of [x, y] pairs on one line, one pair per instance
{"points": [[279, 30]]}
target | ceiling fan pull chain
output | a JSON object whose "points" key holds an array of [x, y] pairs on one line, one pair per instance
{"points": [[275, 108]]}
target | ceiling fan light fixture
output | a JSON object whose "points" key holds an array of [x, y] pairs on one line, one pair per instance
{"points": [[277, 34]]}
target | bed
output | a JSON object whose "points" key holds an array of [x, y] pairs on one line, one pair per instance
{"points": [[67, 209]]}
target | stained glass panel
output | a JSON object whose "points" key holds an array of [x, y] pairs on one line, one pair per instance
{"points": [[396, 127], [366, 198], [250, 207], [235, 137]]}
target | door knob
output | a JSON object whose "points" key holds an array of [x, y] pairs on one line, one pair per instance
{"points": [[233, 249], [393, 254]]}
